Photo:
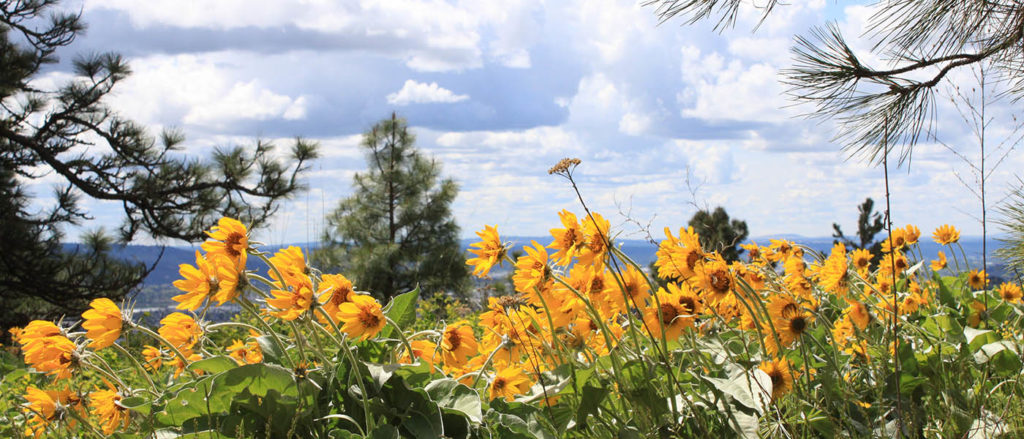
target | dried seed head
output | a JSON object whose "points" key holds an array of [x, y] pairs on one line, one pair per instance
{"points": [[564, 166]]}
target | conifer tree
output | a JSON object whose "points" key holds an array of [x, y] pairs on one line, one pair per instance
{"points": [[397, 230], [719, 233], [869, 224], [70, 135]]}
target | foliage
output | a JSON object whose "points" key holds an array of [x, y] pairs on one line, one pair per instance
{"points": [[781, 345], [68, 132], [1012, 222], [719, 233], [397, 230], [869, 224], [919, 44]]}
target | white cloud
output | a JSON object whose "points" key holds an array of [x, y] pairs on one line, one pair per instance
{"points": [[422, 93], [197, 90]]}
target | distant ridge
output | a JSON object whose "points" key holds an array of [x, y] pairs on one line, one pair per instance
{"points": [[643, 252]]}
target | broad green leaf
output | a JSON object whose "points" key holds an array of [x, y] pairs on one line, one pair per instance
{"points": [[751, 389], [972, 333], [450, 394], [402, 311], [214, 365], [257, 379], [137, 404], [271, 353], [589, 402]]}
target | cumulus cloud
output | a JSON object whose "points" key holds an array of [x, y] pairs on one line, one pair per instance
{"points": [[413, 92]]}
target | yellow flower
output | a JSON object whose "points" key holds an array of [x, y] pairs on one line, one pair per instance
{"points": [[335, 289], [15, 332], [679, 258], [103, 322], [293, 301], [292, 265], [568, 241], [105, 405], [861, 259], [180, 330], [42, 407], [532, 270], [508, 383], [634, 290], [458, 344], [946, 234], [782, 377], [912, 234], [595, 231], [978, 313], [422, 349], [779, 250], [489, 251], [214, 275], [362, 317], [179, 365], [859, 314], [977, 279], [47, 350], [898, 241], [248, 353], [789, 318], [153, 357], [714, 280], [940, 263], [679, 306], [229, 238], [1010, 292], [834, 275]]}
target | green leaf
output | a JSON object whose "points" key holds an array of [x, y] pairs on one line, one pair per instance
{"points": [[271, 353], [751, 389], [137, 404], [589, 402], [402, 311], [450, 394], [258, 379], [214, 365], [386, 431]]}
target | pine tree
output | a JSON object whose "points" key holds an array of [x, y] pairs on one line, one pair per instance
{"points": [[69, 133], [869, 224], [719, 233], [920, 44], [397, 231]]}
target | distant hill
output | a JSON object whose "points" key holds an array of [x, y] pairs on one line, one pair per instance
{"points": [[166, 270]]}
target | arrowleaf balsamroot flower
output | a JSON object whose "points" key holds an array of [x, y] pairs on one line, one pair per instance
{"points": [[335, 289], [488, 251], [42, 407], [678, 258], [180, 330], [293, 301], [939, 263], [946, 234], [1010, 292], [568, 241], [47, 350], [532, 270], [247, 353], [781, 376], [861, 259], [595, 232], [977, 279], [362, 317], [105, 405], [103, 323], [214, 275], [458, 344], [508, 383], [230, 238]]}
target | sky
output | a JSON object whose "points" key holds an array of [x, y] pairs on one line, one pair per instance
{"points": [[665, 117]]}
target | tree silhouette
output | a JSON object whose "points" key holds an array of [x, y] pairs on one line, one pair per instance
{"points": [[397, 230]]}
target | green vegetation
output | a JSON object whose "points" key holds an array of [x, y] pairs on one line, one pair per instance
{"points": [[164, 194], [397, 231]]}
